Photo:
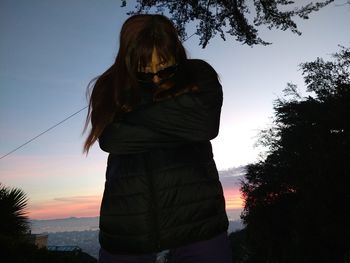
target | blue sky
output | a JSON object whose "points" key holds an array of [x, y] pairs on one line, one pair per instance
{"points": [[50, 50]]}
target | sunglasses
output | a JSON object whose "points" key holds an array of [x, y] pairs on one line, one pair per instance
{"points": [[163, 74]]}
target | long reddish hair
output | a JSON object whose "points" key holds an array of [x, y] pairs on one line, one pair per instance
{"points": [[116, 91]]}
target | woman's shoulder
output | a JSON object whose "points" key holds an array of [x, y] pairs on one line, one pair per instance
{"points": [[201, 71], [201, 67]]}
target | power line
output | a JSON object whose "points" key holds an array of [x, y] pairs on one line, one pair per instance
{"points": [[75, 113], [193, 35]]}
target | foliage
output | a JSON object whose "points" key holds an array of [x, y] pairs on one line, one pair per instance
{"points": [[240, 252], [22, 251], [15, 243], [13, 219], [231, 17], [296, 199], [325, 77]]}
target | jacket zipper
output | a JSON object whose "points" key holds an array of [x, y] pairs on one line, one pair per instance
{"points": [[153, 202]]}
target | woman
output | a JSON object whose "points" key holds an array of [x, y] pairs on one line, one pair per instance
{"points": [[155, 111]]}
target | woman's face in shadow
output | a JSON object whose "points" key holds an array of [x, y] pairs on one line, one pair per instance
{"points": [[156, 66]]}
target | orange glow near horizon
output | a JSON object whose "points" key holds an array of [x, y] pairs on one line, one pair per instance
{"points": [[233, 198], [89, 206], [76, 206]]}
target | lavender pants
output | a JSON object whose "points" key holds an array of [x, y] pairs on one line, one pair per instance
{"points": [[213, 250]]}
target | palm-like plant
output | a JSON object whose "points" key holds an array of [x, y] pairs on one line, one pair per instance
{"points": [[13, 215]]}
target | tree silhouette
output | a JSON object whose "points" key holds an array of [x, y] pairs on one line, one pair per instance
{"points": [[13, 219], [15, 244], [231, 17], [296, 199]]}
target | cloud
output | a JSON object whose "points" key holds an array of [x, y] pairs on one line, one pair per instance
{"points": [[74, 199]]}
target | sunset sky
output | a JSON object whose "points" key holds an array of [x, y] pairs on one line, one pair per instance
{"points": [[50, 50]]}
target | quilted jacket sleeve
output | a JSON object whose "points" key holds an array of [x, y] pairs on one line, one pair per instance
{"points": [[190, 116], [172, 122], [124, 138]]}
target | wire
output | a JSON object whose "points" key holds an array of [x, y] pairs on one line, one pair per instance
{"points": [[193, 35], [75, 113]]}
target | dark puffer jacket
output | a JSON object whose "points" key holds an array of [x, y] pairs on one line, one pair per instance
{"points": [[162, 187]]}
